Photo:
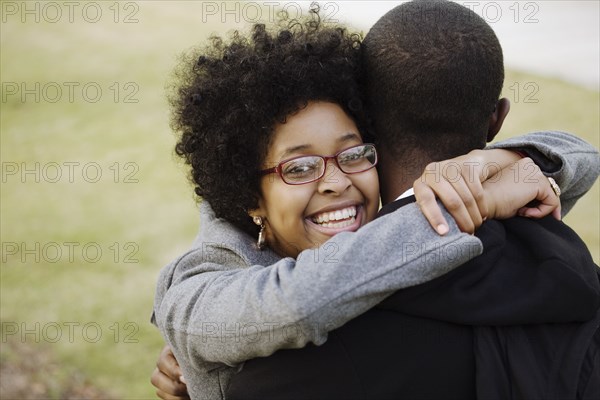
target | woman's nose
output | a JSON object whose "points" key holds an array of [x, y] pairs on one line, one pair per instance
{"points": [[334, 181]]}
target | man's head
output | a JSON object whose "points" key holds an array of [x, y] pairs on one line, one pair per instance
{"points": [[434, 73]]}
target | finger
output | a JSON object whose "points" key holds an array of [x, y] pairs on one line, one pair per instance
{"points": [[549, 204], [478, 194], [537, 212], [429, 207], [164, 383], [454, 204], [557, 213], [167, 385], [461, 187], [467, 183], [168, 364]]}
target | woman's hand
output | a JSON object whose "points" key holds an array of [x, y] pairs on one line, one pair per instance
{"points": [[167, 377], [533, 196], [483, 184]]}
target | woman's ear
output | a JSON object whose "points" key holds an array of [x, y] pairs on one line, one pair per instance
{"points": [[259, 219], [497, 118], [258, 211]]}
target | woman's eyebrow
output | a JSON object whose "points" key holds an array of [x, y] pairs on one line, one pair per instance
{"points": [[350, 136], [291, 150], [345, 138]]}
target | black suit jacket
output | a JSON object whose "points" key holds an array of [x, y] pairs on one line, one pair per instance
{"points": [[433, 341]]}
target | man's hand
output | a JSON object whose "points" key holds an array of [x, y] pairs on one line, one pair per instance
{"points": [[167, 377]]}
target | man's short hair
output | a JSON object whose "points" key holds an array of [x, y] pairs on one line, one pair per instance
{"points": [[433, 75]]}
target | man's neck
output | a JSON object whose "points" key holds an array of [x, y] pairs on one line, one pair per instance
{"points": [[390, 190], [396, 178]]}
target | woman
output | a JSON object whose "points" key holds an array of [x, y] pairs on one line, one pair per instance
{"points": [[274, 130]]}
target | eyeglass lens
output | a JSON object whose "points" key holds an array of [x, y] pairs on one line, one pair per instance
{"points": [[310, 168]]}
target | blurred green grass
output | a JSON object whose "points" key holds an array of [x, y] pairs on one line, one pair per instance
{"points": [[157, 214]]}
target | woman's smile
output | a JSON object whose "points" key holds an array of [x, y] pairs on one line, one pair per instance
{"points": [[345, 218]]}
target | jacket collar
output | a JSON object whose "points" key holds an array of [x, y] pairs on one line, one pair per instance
{"points": [[394, 205]]}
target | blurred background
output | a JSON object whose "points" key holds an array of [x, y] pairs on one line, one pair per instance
{"points": [[93, 202]]}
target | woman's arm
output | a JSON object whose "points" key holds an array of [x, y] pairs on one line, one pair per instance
{"points": [[215, 313], [269, 299], [571, 161], [563, 290]]}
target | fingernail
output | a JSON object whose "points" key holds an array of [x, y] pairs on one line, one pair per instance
{"points": [[182, 379], [442, 229]]}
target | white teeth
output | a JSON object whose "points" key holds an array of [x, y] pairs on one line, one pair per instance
{"points": [[328, 219], [341, 224]]}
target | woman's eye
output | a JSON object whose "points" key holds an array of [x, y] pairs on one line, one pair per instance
{"points": [[352, 156], [299, 169]]}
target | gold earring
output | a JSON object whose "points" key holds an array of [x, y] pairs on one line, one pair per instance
{"points": [[261, 235]]}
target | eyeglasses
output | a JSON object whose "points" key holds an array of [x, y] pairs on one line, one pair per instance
{"points": [[306, 169]]}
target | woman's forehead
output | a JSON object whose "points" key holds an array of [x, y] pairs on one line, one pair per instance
{"points": [[320, 127]]}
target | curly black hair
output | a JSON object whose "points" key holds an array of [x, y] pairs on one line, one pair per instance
{"points": [[228, 96]]}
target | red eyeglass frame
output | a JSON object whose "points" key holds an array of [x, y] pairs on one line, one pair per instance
{"points": [[277, 169]]}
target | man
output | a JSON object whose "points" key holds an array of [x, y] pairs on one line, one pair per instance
{"points": [[434, 74]]}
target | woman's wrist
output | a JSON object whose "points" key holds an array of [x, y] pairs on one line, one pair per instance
{"points": [[499, 159]]}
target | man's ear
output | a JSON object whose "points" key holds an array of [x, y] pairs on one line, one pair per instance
{"points": [[497, 118]]}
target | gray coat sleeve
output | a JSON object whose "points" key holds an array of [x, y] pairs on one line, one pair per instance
{"points": [[219, 313], [571, 161]]}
